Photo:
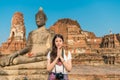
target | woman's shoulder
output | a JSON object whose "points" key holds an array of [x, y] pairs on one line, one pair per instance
{"points": [[68, 52], [48, 54], [69, 55]]}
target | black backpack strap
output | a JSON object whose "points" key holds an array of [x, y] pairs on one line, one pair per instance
{"points": [[63, 58], [55, 68]]}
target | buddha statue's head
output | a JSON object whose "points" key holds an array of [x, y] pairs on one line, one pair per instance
{"points": [[40, 18]]}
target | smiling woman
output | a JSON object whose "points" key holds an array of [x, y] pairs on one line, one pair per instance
{"points": [[58, 63]]}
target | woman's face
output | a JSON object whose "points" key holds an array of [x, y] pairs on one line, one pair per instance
{"points": [[58, 42]]}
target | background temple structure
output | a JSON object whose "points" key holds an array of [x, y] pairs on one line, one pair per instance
{"points": [[76, 39], [80, 41], [17, 38]]}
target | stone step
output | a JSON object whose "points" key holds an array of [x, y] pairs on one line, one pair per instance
{"points": [[93, 77], [25, 77], [23, 72]]}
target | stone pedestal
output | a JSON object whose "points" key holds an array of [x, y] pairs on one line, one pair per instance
{"points": [[30, 71]]}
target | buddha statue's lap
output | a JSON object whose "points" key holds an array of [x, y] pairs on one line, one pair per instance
{"points": [[25, 59]]}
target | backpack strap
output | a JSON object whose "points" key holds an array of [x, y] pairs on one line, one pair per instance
{"points": [[63, 58]]}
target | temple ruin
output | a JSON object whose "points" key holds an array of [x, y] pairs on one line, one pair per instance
{"points": [[17, 39]]}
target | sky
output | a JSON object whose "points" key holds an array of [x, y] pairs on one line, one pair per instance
{"points": [[98, 16]]}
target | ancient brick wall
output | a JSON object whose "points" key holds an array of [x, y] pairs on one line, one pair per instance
{"points": [[17, 39]]}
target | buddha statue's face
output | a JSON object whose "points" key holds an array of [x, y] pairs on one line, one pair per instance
{"points": [[40, 19]]}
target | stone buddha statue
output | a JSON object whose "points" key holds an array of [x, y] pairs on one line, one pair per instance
{"points": [[38, 44]]}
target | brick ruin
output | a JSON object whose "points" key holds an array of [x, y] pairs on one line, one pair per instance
{"points": [[17, 39], [76, 39]]}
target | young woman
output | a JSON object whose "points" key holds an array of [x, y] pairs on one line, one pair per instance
{"points": [[58, 60]]}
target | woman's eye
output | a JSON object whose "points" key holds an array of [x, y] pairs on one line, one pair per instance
{"points": [[56, 41]]}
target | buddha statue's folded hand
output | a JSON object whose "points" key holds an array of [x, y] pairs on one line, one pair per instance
{"points": [[7, 60]]}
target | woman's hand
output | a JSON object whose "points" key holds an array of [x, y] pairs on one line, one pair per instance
{"points": [[58, 52]]}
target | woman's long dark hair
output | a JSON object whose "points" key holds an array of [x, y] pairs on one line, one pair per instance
{"points": [[53, 53]]}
